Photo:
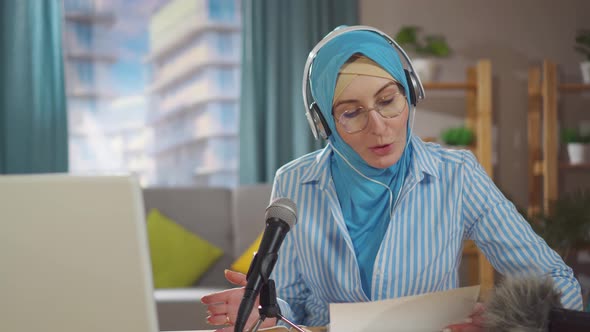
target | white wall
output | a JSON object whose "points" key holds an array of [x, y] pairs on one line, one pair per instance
{"points": [[514, 35]]}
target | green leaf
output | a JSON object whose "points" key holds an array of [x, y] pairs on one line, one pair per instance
{"points": [[458, 136], [583, 43], [570, 135], [437, 46], [567, 226], [583, 37], [407, 35]]}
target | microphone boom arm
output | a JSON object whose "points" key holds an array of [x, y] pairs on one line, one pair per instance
{"points": [[269, 307]]}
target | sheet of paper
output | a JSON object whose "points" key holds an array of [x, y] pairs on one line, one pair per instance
{"points": [[421, 313]]}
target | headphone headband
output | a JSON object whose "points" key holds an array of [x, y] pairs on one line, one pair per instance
{"points": [[313, 116]]}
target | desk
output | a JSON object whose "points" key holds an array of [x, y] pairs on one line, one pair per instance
{"points": [[272, 329]]}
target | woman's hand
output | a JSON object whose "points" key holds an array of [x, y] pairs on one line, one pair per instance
{"points": [[473, 324], [223, 306]]}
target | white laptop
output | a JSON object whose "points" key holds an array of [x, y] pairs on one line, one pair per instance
{"points": [[74, 255]]}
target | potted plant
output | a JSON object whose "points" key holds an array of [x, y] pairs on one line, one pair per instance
{"points": [[583, 47], [423, 49], [577, 146], [458, 137], [566, 226]]}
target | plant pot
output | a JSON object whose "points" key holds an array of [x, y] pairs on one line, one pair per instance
{"points": [[577, 153], [585, 68], [427, 69]]}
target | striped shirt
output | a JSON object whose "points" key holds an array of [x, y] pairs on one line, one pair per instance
{"points": [[446, 199]]}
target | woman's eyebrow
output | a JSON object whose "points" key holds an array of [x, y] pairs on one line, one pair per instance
{"points": [[384, 87], [349, 101]]}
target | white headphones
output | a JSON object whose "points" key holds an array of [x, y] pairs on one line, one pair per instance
{"points": [[317, 123]]}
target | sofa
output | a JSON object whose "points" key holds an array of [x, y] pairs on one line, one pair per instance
{"points": [[231, 219]]}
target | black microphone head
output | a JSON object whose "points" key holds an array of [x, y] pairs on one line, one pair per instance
{"points": [[521, 305], [283, 209]]}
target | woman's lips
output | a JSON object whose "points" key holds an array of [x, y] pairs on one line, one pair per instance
{"points": [[382, 150]]}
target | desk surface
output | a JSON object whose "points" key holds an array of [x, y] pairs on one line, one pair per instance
{"points": [[277, 329]]}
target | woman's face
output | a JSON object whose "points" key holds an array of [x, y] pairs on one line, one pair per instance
{"points": [[381, 143]]}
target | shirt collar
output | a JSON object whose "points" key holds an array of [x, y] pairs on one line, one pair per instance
{"points": [[424, 161], [319, 169]]}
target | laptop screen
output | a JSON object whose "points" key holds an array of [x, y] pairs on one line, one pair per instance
{"points": [[74, 255]]}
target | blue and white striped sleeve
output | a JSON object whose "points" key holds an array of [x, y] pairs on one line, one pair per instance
{"points": [[291, 291], [506, 238]]}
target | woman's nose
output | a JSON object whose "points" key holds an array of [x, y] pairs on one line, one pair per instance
{"points": [[376, 123]]}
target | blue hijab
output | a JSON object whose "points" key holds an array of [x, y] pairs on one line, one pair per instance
{"points": [[366, 205]]}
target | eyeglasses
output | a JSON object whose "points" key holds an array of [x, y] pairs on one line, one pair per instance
{"points": [[388, 106]]}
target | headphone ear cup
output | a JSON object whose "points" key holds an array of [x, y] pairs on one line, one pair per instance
{"points": [[311, 122], [320, 126], [412, 86]]}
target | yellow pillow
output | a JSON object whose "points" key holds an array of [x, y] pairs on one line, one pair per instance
{"points": [[243, 262], [179, 257]]}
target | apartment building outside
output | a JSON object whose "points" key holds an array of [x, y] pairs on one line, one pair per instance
{"points": [[103, 137], [194, 61]]}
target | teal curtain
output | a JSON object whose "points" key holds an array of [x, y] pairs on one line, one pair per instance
{"points": [[277, 36], [33, 123]]}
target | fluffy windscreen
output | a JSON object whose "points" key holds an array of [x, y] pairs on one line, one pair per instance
{"points": [[521, 305]]}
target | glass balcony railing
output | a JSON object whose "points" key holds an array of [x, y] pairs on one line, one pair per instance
{"points": [[89, 81], [96, 50], [97, 11], [209, 49]]}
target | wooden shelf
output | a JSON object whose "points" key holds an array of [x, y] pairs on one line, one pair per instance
{"points": [[573, 87], [543, 140], [577, 166], [478, 101], [538, 168], [449, 86]]}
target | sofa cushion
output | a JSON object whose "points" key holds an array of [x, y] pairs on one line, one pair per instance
{"points": [[203, 211], [242, 264], [179, 257]]}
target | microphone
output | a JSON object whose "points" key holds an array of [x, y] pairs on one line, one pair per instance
{"points": [[531, 304], [280, 216]]}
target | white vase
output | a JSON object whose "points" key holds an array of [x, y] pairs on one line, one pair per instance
{"points": [[585, 68], [576, 153], [427, 69]]}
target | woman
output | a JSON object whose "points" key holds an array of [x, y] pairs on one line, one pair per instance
{"points": [[382, 214]]}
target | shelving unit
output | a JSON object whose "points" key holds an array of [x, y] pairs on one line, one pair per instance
{"points": [[478, 117], [543, 162], [478, 89]]}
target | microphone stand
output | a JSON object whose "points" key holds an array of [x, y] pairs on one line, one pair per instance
{"points": [[269, 307]]}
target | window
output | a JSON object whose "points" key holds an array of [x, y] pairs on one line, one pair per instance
{"points": [[222, 10], [226, 79], [153, 89]]}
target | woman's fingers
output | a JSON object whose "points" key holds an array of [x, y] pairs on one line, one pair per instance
{"points": [[218, 320], [217, 309], [236, 278], [478, 309], [223, 306], [472, 324], [477, 315], [221, 297]]}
